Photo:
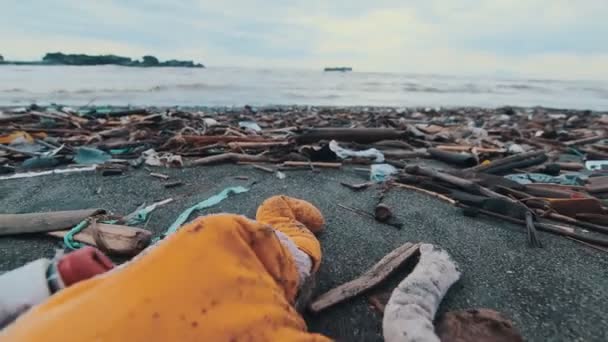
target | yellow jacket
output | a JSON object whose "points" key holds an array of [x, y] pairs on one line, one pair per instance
{"points": [[220, 278]]}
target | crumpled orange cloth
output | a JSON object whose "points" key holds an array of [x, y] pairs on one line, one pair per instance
{"points": [[220, 278]]}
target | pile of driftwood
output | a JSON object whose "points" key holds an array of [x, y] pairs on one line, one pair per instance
{"points": [[538, 206], [289, 137]]}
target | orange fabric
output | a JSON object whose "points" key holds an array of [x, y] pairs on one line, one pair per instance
{"points": [[220, 278], [296, 218]]}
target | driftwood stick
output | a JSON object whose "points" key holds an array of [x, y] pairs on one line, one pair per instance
{"points": [[214, 139], [256, 145], [508, 162], [228, 158], [315, 164], [462, 183], [550, 228], [428, 192], [43, 222], [371, 278], [120, 240], [360, 135], [587, 225], [584, 141]]}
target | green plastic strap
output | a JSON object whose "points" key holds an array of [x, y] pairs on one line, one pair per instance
{"points": [[208, 203], [68, 239]]}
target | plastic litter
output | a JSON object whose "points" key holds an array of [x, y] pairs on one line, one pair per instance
{"points": [[530, 178], [344, 153], [90, 156], [381, 172], [39, 162], [140, 215], [596, 165], [250, 125], [154, 158], [208, 203]]}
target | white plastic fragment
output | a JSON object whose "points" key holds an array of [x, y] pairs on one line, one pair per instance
{"points": [[250, 125], [344, 153], [409, 313], [381, 172]]}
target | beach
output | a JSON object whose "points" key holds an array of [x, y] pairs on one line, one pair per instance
{"points": [[554, 293], [551, 293]]}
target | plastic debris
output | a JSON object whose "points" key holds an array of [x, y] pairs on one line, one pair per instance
{"points": [[140, 215], [381, 172], [90, 156], [596, 165], [530, 178], [154, 158], [40, 162], [344, 153], [208, 203], [250, 125]]}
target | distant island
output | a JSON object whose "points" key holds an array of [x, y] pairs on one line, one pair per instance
{"points": [[342, 69], [58, 58]]}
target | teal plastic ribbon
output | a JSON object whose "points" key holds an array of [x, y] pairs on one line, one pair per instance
{"points": [[68, 239], [208, 203]]}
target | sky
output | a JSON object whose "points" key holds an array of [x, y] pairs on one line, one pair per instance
{"points": [[556, 39]]}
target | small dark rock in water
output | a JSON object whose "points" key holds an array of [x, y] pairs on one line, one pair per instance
{"points": [[476, 325]]}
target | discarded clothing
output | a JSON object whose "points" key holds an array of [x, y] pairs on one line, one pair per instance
{"points": [[344, 153], [530, 178], [168, 293]]}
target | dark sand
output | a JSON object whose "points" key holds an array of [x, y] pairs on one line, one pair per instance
{"points": [[557, 293]]}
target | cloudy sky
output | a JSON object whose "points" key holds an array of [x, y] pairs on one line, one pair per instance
{"points": [[536, 38]]}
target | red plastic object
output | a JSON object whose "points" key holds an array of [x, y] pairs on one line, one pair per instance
{"points": [[83, 264]]}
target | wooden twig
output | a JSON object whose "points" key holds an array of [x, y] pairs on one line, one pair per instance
{"points": [[371, 278], [263, 168], [428, 192], [228, 158], [316, 164], [584, 141], [159, 175]]}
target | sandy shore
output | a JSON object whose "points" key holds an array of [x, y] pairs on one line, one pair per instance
{"points": [[557, 293]]}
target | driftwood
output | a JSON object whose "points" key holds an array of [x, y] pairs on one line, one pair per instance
{"points": [[462, 159], [43, 222], [461, 148], [214, 139], [256, 145], [424, 191], [521, 160], [550, 228], [462, 183], [229, 158], [315, 164], [587, 225], [371, 278], [403, 154], [360, 135], [584, 141], [112, 239]]}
